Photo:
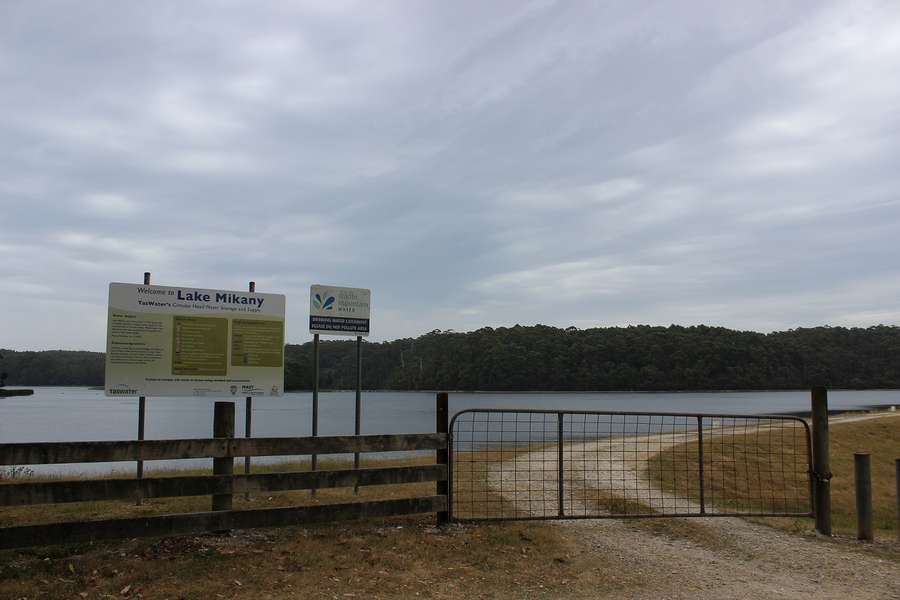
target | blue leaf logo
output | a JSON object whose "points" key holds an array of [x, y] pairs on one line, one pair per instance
{"points": [[327, 304]]}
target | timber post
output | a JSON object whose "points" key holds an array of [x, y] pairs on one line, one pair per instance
{"points": [[862, 475], [443, 455], [821, 467], [223, 427]]}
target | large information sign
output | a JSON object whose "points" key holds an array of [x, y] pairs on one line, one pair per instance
{"points": [[339, 310], [173, 341]]}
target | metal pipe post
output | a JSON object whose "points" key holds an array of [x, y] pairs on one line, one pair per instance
{"points": [[357, 427], [700, 459], [248, 413], [560, 475], [315, 399], [142, 417], [821, 461], [862, 475]]}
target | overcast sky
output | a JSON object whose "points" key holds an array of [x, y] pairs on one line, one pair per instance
{"points": [[473, 163]]}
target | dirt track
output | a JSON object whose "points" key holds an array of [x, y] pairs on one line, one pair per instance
{"points": [[719, 558]]}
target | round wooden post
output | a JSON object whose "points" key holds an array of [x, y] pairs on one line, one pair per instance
{"points": [[862, 473], [821, 461], [443, 456], [223, 427]]}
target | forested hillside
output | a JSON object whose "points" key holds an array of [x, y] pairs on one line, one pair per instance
{"points": [[52, 367], [547, 358]]}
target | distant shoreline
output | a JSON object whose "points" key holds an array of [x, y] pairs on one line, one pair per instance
{"points": [[581, 392]]}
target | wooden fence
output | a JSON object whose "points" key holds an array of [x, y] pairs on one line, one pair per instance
{"points": [[222, 485]]}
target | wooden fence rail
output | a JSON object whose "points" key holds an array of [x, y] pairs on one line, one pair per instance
{"points": [[83, 531], [55, 492], [222, 485], [46, 453]]}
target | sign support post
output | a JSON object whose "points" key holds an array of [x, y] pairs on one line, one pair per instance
{"points": [[335, 310], [356, 429], [142, 417], [315, 398], [248, 412]]}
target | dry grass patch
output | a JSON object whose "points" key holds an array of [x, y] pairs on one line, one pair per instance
{"points": [[764, 472], [404, 557], [474, 496], [881, 438], [397, 558], [743, 479]]}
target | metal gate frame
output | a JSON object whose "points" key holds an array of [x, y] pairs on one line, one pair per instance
{"points": [[561, 443]]}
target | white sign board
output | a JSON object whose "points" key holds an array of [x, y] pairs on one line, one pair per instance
{"points": [[339, 310], [180, 341]]}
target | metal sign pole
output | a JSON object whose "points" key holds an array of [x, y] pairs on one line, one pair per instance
{"points": [[248, 413], [356, 429], [142, 417], [315, 402], [339, 311]]}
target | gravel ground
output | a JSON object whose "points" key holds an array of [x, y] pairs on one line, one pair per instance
{"points": [[733, 559]]}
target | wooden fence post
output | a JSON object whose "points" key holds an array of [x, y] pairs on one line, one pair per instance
{"points": [[821, 461], [862, 474], [443, 455], [223, 427]]}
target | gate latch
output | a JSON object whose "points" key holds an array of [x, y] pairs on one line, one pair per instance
{"points": [[821, 477]]}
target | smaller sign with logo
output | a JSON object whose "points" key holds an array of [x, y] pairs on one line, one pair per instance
{"points": [[339, 310]]}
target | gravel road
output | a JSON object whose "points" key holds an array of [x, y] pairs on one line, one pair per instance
{"points": [[733, 558]]}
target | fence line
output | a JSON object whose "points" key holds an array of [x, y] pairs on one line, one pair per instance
{"points": [[57, 492], [81, 531], [222, 485], [45, 453]]}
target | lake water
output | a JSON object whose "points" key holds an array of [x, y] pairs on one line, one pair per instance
{"points": [[55, 414]]}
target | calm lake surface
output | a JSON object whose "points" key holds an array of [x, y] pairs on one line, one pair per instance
{"points": [[79, 414]]}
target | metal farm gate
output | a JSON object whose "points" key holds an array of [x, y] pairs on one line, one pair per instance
{"points": [[544, 464]]}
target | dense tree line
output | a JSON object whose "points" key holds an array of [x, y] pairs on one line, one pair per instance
{"points": [[52, 367], [547, 358]]}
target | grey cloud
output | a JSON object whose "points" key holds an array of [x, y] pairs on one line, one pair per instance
{"points": [[473, 163]]}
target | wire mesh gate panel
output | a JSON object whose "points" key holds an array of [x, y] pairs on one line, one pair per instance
{"points": [[537, 464]]}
